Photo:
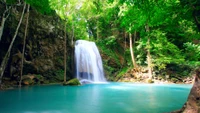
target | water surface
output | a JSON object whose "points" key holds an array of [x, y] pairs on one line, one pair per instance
{"points": [[95, 98]]}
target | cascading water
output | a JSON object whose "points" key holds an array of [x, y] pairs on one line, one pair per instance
{"points": [[88, 62]]}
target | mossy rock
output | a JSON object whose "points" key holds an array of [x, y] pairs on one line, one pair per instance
{"points": [[32, 79], [28, 82], [72, 82], [174, 80], [28, 79], [46, 82], [150, 81]]}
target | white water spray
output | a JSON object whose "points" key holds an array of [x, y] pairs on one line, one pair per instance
{"points": [[88, 62]]}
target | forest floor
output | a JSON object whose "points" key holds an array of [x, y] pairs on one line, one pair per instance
{"points": [[142, 77], [188, 80]]}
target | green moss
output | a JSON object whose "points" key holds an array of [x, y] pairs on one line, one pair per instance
{"points": [[60, 61], [46, 82], [108, 50], [40, 77], [59, 75], [72, 82], [54, 76], [115, 60]]}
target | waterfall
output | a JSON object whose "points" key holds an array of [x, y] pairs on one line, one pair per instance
{"points": [[88, 62]]}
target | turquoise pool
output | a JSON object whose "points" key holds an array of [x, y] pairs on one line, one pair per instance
{"points": [[95, 98]]}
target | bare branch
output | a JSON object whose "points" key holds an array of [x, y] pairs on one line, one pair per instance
{"points": [[6, 57]]}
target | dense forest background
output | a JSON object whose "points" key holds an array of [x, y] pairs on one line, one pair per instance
{"points": [[137, 39]]}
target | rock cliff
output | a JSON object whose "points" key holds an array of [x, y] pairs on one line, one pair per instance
{"points": [[44, 46]]}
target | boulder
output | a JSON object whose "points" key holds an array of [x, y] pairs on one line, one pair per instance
{"points": [[28, 79], [72, 82], [32, 79], [149, 81]]}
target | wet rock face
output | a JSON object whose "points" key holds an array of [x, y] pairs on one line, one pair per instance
{"points": [[44, 42]]}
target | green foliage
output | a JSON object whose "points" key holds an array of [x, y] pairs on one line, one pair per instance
{"points": [[108, 50], [53, 76], [164, 52], [41, 5], [122, 72], [60, 60], [111, 55], [192, 51], [11, 1], [172, 29], [111, 41], [59, 74], [75, 14], [39, 76], [178, 69]]}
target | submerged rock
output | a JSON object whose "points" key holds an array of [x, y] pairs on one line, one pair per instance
{"points": [[72, 82]]}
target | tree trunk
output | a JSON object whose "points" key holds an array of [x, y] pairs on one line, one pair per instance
{"points": [[193, 102], [72, 37], [4, 18], [196, 20], [149, 55], [65, 54], [6, 57], [131, 50], [72, 52], [125, 36], [25, 34], [192, 105], [97, 29], [135, 64]]}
